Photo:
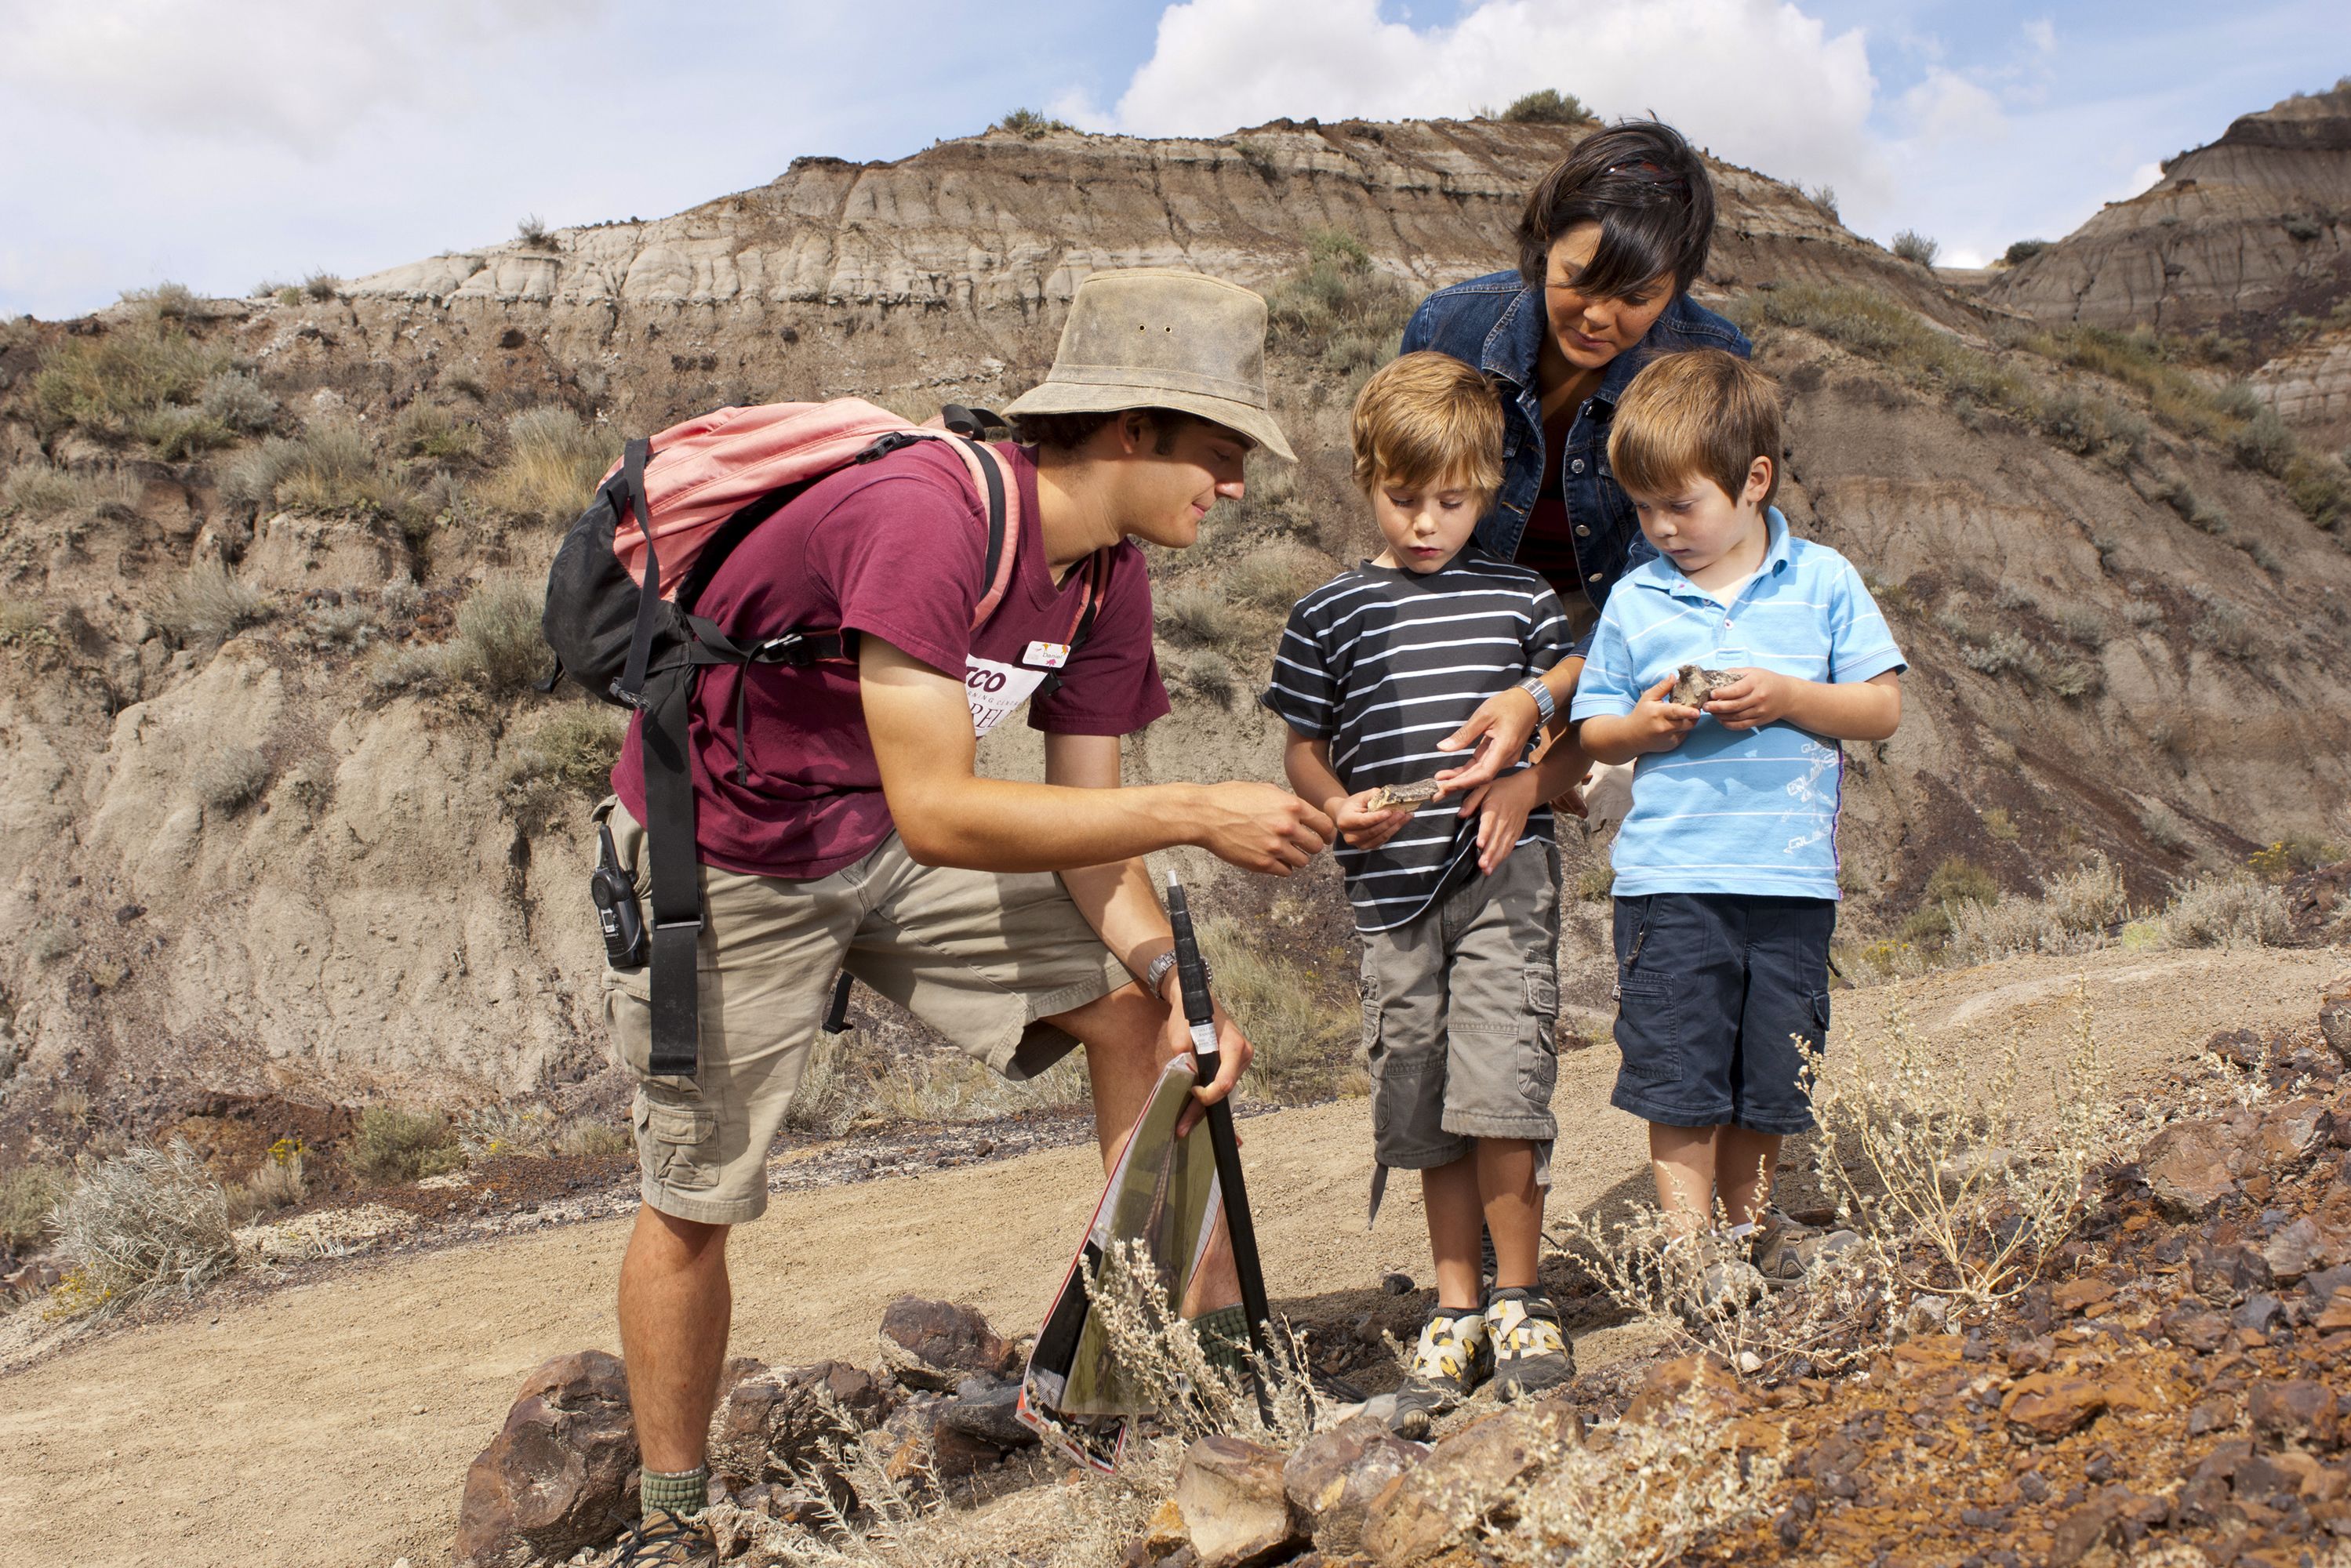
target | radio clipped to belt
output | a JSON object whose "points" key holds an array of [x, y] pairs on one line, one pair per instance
{"points": [[613, 886]]}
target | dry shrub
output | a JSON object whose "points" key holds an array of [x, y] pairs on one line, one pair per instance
{"points": [[1339, 309], [148, 1221], [26, 1195], [393, 1144], [1301, 1036], [207, 603], [236, 399], [279, 1183], [588, 1140], [1649, 1494], [329, 467], [552, 466], [1686, 1284], [231, 777], [1276, 577], [1208, 675], [44, 490], [568, 758], [175, 433], [1200, 617], [431, 431], [1548, 106], [1959, 1190], [498, 646], [2233, 911], [1882, 328], [1913, 246], [2073, 916]]}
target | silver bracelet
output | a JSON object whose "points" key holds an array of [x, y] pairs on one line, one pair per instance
{"points": [[1545, 704]]}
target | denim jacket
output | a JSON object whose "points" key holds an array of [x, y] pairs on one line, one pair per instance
{"points": [[1497, 323]]}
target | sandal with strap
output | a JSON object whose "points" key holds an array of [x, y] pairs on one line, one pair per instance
{"points": [[663, 1540], [1530, 1352]]}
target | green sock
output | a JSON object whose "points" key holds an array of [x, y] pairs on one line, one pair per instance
{"points": [[1224, 1339], [685, 1494]]}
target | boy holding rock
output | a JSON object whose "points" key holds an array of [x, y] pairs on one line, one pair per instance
{"points": [[1726, 865]]}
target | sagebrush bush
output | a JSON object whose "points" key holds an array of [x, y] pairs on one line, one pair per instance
{"points": [[206, 603], [1200, 617], [498, 646], [148, 1221], [106, 384], [429, 430], [176, 433], [1547, 106], [532, 231], [236, 401], [2072, 915], [2022, 251], [2264, 444], [1883, 329], [230, 777], [567, 759], [1339, 309], [552, 465], [1276, 577], [26, 1195], [1208, 675], [1958, 880], [322, 286], [1913, 246], [1030, 124], [2223, 628], [2232, 911], [164, 302], [393, 1144]]}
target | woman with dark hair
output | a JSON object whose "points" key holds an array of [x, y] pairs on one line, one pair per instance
{"points": [[1609, 245]]}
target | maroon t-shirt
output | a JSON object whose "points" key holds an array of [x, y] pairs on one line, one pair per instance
{"points": [[894, 548]]}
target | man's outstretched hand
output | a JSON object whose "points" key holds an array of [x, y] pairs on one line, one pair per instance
{"points": [[1260, 827]]}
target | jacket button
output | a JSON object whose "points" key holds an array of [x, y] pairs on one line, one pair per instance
{"points": [[1584, 530], [1599, 577], [1575, 466]]}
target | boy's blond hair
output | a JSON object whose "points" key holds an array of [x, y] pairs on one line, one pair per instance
{"points": [[1427, 418], [1702, 412]]}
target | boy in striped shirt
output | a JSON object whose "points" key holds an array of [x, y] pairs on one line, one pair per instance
{"points": [[1726, 865], [1456, 902]]}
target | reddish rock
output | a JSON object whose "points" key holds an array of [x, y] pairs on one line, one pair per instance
{"points": [[2301, 1247], [1333, 1477], [2301, 1410], [1230, 1495], [2047, 1406], [2290, 1131], [560, 1475], [2074, 1295], [2187, 1167], [2198, 1328], [936, 1345], [2334, 1026], [769, 1425], [1423, 1511]]}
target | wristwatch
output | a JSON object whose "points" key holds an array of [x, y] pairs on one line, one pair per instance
{"points": [[1545, 704], [1157, 975]]}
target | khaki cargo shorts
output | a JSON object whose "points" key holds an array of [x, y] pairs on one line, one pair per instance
{"points": [[980, 956], [1458, 1009]]}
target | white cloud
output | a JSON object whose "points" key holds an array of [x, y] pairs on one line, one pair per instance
{"points": [[1758, 82], [1948, 108], [2042, 34]]}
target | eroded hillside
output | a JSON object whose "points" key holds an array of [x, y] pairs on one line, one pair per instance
{"points": [[285, 814]]}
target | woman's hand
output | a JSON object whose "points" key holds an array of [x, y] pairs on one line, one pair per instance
{"points": [[1499, 732], [1364, 827]]}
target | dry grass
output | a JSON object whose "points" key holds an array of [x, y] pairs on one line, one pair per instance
{"points": [[1200, 617], [279, 1183], [26, 1195], [207, 603], [1650, 1493], [429, 430], [232, 778], [498, 646], [1276, 577], [1207, 676], [105, 385], [1338, 308], [329, 467], [2233, 911], [1302, 1039], [2073, 916], [567, 759], [552, 465], [40, 489], [1548, 106], [147, 1222]]}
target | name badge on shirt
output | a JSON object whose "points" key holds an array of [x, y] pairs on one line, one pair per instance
{"points": [[995, 689], [1047, 656]]}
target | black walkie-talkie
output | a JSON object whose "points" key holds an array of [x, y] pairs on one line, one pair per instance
{"points": [[614, 889]]}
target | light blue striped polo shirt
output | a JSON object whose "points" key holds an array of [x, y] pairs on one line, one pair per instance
{"points": [[1745, 812]]}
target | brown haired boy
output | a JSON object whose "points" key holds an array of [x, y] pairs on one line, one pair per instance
{"points": [[1457, 904], [1726, 865]]}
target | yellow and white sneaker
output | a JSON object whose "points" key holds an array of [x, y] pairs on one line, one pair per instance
{"points": [[1530, 1353], [1453, 1357]]}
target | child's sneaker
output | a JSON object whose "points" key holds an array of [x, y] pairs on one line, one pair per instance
{"points": [[1530, 1354], [1454, 1356]]}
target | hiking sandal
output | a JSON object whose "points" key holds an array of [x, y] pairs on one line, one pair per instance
{"points": [[1530, 1352], [662, 1540], [1453, 1357]]}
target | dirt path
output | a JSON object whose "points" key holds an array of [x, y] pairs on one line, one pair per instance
{"points": [[331, 1424]]}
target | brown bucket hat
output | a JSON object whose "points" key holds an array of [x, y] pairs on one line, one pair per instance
{"points": [[1154, 337]]}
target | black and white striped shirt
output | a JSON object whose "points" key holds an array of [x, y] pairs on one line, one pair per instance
{"points": [[1383, 665]]}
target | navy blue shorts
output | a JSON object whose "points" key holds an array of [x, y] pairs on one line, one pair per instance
{"points": [[1713, 990]]}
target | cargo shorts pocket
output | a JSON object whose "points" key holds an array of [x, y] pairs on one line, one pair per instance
{"points": [[678, 1145], [1539, 1066]]}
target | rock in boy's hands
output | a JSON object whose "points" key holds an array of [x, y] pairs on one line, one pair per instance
{"points": [[1364, 827], [1658, 723], [1756, 698]]}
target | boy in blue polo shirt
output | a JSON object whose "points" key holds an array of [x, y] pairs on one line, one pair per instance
{"points": [[1726, 865]]}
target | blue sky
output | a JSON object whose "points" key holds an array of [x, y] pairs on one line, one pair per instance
{"points": [[221, 143]]}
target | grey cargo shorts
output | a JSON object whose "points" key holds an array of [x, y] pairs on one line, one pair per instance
{"points": [[1458, 1011]]}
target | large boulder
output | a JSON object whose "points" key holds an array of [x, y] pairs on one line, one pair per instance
{"points": [[770, 1427], [936, 1345], [560, 1475], [1230, 1497]]}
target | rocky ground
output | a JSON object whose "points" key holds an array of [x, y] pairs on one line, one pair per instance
{"points": [[2172, 1386]]}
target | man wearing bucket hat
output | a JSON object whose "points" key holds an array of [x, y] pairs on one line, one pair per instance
{"points": [[1015, 918]]}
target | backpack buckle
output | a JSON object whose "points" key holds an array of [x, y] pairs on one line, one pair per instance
{"points": [[634, 701]]}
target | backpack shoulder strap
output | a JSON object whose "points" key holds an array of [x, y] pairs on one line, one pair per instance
{"points": [[1001, 493], [1097, 583]]}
